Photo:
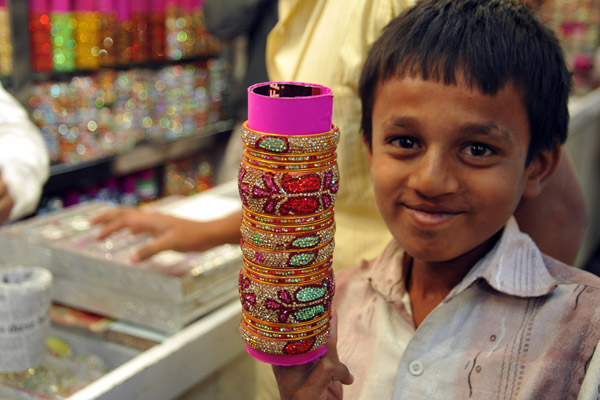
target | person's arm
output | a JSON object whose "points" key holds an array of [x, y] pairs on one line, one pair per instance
{"points": [[557, 218], [6, 202], [23, 159], [319, 380], [227, 19], [170, 233]]}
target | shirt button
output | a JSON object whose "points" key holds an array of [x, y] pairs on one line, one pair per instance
{"points": [[415, 367]]}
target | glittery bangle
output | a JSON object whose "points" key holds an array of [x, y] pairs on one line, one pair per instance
{"points": [[285, 347], [286, 222], [299, 166], [287, 271], [290, 144], [282, 332], [298, 327], [283, 229], [292, 280], [285, 158], [287, 193], [280, 258], [287, 241], [292, 304]]}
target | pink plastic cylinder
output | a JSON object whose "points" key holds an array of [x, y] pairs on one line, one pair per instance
{"points": [[289, 108]]}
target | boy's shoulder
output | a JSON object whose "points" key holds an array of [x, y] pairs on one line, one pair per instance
{"points": [[565, 274]]}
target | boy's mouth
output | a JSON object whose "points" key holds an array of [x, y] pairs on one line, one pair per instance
{"points": [[431, 215]]}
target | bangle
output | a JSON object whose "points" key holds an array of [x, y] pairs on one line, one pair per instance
{"points": [[286, 258], [300, 166], [288, 193], [290, 144], [290, 304], [283, 229], [287, 241], [286, 222], [300, 157], [270, 278], [283, 332]]}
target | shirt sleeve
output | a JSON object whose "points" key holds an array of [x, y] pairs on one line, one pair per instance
{"points": [[590, 387], [23, 156]]}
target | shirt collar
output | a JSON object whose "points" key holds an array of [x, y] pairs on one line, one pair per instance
{"points": [[514, 266]]}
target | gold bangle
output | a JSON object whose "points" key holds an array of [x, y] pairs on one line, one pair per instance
{"points": [[288, 270], [299, 220], [297, 241], [303, 326], [289, 166], [290, 144]]}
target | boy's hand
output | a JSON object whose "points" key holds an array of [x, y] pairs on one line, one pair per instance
{"points": [[319, 380], [6, 202]]}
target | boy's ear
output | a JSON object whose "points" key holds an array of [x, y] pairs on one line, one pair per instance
{"points": [[540, 169]]}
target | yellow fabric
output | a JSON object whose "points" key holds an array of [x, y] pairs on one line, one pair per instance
{"points": [[326, 42]]}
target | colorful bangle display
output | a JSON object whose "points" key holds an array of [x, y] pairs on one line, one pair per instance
{"points": [[288, 185]]}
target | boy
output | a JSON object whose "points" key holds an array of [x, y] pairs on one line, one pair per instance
{"points": [[464, 110]]}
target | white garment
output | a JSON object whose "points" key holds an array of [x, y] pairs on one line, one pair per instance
{"points": [[23, 156]]}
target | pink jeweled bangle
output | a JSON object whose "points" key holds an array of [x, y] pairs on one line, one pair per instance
{"points": [[287, 193], [289, 304]]}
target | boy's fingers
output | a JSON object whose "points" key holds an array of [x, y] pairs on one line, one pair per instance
{"points": [[327, 371]]}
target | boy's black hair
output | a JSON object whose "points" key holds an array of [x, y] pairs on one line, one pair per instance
{"points": [[491, 43]]}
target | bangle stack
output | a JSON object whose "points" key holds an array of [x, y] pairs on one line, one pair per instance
{"points": [[288, 185]]}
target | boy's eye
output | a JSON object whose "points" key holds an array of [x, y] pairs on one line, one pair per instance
{"points": [[404, 142], [479, 150]]}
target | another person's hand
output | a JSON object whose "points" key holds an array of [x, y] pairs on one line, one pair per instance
{"points": [[170, 233], [6, 202], [319, 380]]}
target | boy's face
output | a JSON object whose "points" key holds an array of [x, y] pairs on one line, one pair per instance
{"points": [[448, 164]]}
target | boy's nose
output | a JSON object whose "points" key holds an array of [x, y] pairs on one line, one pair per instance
{"points": [[433, 175]]}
